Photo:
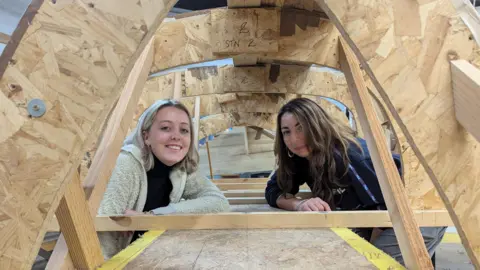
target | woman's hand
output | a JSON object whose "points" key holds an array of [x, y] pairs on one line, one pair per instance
{"points": [[313, 204]]}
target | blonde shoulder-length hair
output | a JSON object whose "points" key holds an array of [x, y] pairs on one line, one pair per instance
{"points": [[145, 122]]}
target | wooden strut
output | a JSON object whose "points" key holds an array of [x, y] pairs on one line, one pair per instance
{"points": [[474, 254], [261, 220], [209, 158], [406, 228], [105, 158]]}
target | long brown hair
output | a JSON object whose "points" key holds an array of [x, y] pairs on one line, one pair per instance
{"points": [[323, 136]]}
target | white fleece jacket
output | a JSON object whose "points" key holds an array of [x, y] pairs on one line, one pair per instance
{"points": [[127, 189]]}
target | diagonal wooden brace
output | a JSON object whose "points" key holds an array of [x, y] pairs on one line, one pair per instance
{"points": [[406, 228]]}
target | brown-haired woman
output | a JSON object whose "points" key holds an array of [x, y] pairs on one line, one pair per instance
{"points": [[313, 148]]}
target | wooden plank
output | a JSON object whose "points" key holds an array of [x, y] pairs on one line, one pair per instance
{"points": [[244, 60], [240, 180], [241, 186], [423, 109], [4, 38], [466, 94], [259, 249], [244, 30], [39, 155], [407, 19], [250, 200], [77, 226], [209, 159], [105, 158], [243, 3], [245, 138], [406, 228], [262, 220], [208, 30], [177, 90], [247, 186], [260, 193], [196, 122]]}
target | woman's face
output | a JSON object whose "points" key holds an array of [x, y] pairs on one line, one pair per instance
{"points": [[169, 137], [293, 135]]}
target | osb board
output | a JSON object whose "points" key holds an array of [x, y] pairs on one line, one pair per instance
{"points": [[248, 32], [250, 249], [253, 103], [292, 79], [220, 122], [192, 39], [298, 4], [75, 57], [413, 67]]}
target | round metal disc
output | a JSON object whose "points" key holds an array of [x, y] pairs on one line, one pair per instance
{"points": [[36, 107]]}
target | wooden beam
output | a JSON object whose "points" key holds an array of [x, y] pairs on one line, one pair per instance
{"points": [[77, 226], [260, 193], [245, 138], [247, 186], [241, 180], [243, 3], [242, 31], [249, 200], [197, 122], [466, 95], [262, 220], [406, 228], [105, 158], [209, 158], [263, 131], [4, 38], [177, 89]]}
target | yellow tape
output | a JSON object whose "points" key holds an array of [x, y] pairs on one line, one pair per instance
{"points": [[127, 255], [377, 257], [451, 238]]}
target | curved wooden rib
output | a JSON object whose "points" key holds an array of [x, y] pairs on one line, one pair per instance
{"points": [[75, 57]]}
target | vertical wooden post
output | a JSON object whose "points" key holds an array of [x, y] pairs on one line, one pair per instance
{"points": [[177, 87], [406, 228], [246, 141], [197, 121], [77, 227], [209, 159]]}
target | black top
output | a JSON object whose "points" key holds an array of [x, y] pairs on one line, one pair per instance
{"points": [[360, 189], [159, 188]]}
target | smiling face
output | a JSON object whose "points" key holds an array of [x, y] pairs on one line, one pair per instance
{"points": [[293, 135], [169, 136]]}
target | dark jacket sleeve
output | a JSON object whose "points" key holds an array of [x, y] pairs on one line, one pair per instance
{"points": [[368, 184], [272, 191]]}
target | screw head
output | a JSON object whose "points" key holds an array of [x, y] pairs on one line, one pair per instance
{"points": [[36, 107]]}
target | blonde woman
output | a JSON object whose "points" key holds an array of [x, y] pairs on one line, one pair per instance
{"points": [[156, 173]]}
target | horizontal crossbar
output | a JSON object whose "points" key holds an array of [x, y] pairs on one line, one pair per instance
{"points": [[262, 220]]}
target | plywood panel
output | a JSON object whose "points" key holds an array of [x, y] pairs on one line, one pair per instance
{"points": [[415, 73], [250, 249], [75, 57], [192, 39]]}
